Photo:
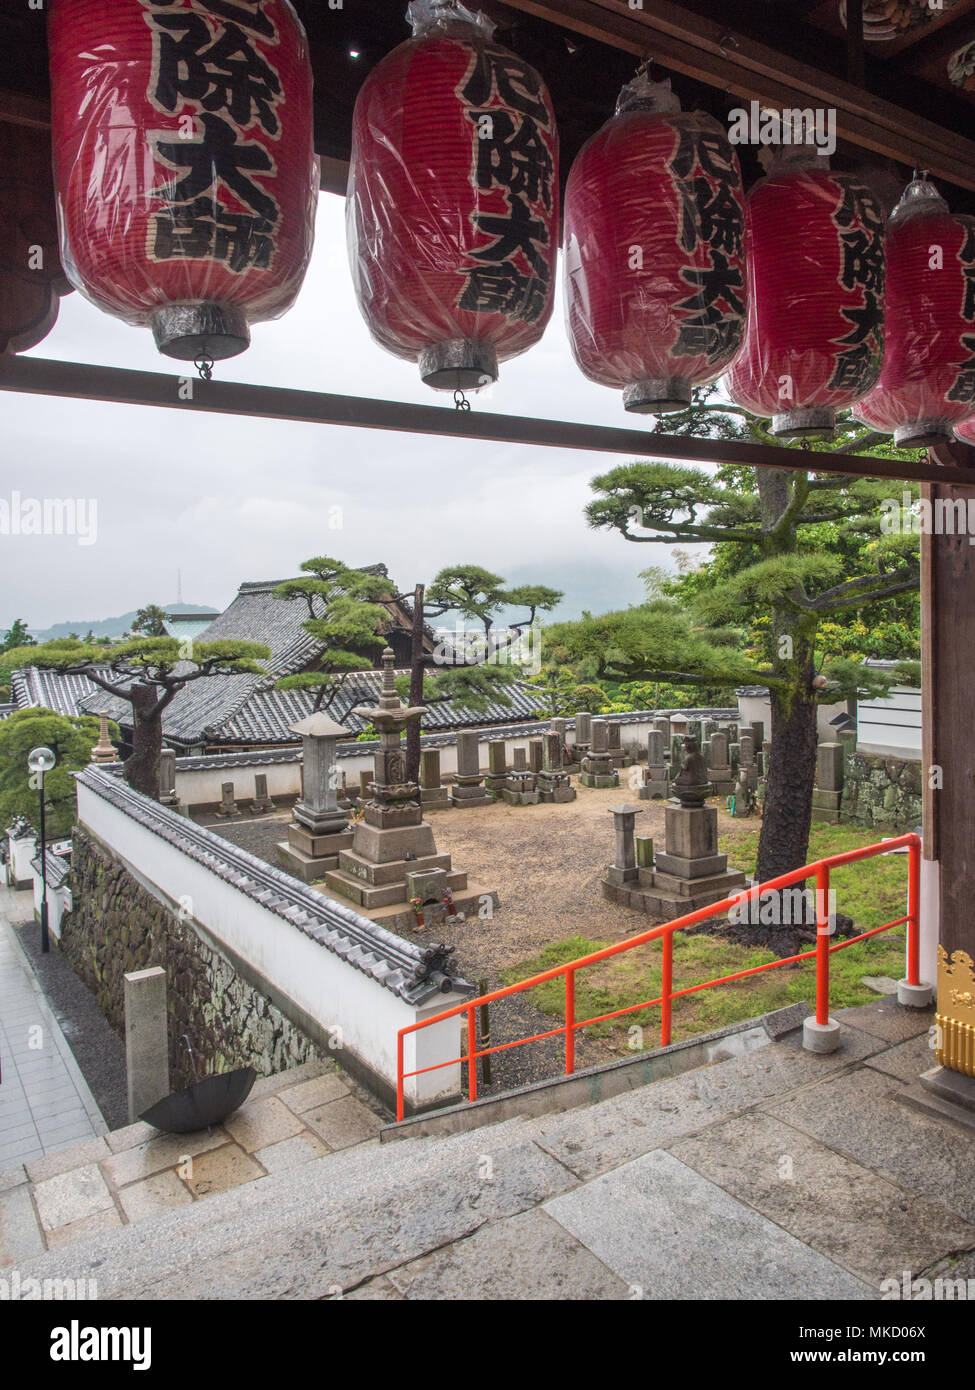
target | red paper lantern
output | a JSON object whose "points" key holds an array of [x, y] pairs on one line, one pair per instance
{"points": [[965, 430], [453, 201], [814, 340], [927, 384], [655, 266], [184, 163]]}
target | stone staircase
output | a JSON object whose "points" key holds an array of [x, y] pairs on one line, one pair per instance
{"points": [[774, 1173]]}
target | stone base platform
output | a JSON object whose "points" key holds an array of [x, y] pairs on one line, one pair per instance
{"points": [[666, 896], [480, 797], [400, 917], [308, 856], [390, 884], [590, 779]]}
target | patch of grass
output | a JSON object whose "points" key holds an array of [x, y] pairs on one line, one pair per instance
{"points": [[872, 892]]}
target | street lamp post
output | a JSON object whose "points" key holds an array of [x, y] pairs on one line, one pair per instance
{"points": [[41, 761]]}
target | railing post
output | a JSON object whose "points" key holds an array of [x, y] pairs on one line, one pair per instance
{"points": [[471, 1055], [570, 1018], [399, 1077], [666, 987], [822, 1033], [912, 992]]}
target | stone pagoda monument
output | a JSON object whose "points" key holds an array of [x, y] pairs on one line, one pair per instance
{"points": [[689, 873], [319, 830], [392, 871]]}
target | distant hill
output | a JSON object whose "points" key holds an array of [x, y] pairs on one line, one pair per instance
{"points": [[111, 627]]}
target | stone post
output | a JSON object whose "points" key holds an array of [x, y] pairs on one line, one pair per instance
{"points": [[146, 1039], [624, 866]]}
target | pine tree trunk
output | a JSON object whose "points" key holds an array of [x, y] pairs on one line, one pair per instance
{"points": [[791, 771], [142, 768], [416, 687]]}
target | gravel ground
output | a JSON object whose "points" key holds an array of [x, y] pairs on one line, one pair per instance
{"points": [[97, 1048], [546, 862]]}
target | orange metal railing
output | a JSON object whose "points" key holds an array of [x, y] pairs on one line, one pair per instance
{"points": [[822, 952]]}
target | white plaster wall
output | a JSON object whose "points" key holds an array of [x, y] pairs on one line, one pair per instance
{"points": [[333, 993], [58, 902], [21, 852]]}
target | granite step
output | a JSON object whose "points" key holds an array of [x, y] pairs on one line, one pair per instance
{"points": [[604, 1200]]}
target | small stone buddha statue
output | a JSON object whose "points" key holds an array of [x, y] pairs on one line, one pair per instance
{"points": [[692, 786]]}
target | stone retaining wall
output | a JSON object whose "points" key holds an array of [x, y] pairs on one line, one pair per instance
{"points": [[117, 926], [881, 791]]}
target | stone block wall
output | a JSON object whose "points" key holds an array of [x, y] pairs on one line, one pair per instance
{"points": [[117, 926], [881, 791]]}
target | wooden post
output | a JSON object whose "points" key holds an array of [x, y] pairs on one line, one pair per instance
{"points": [[948, 702]]}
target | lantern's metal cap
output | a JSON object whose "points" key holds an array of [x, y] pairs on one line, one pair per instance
{"points": [[643, 95], [813, 422], [424, 15], [921, 434], [189, 331], [920, 196], [657, 396], [459, 364]]}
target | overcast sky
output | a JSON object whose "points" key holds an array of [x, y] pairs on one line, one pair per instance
{"points": [[224, 500]]}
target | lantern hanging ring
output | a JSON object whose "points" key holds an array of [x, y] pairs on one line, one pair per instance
{"points": [[460, 400], [204, 365]]}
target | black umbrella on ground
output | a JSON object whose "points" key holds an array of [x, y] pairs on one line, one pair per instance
{"points": [[204, 1104]]}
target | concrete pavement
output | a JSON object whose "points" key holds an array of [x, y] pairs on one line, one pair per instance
{"points": [[45, 1103]]}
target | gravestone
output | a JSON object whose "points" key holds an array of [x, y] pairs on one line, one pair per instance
{"points": [[497, 776], [746, 758], [520, 759], [228, 806], [434, 796], [690, 872], [319, 830], [597, 766], [719, 769], [656, 783], [583, 739], [167, 778], [468, 786], [828, 791], [535, 755], [553, 782], [262, 802]]}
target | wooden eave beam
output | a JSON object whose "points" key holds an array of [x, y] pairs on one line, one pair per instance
{"points": [[710, 53], [81, 381]]}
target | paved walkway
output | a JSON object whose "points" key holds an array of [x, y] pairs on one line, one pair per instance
{"points": [[45, 1103], [774, 1175]]}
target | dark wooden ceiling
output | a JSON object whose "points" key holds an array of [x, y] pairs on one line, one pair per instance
{"points": [[584, 74]]}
